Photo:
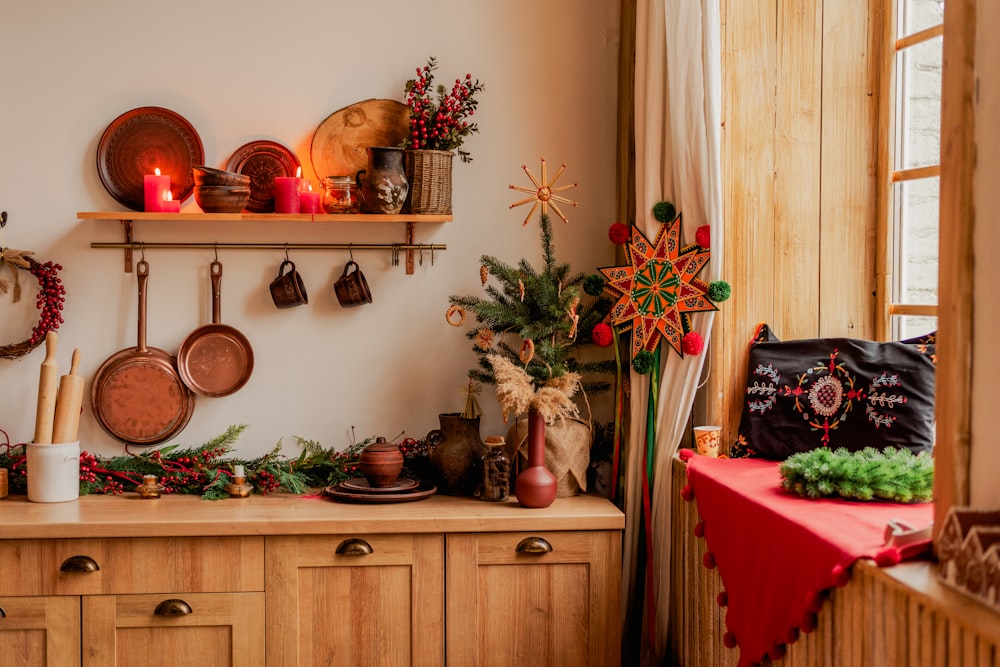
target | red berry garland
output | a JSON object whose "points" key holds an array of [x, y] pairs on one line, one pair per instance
{"points": [[51, 295]]}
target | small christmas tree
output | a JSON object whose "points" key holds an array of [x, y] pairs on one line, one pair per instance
{"points": [[535, 319]]}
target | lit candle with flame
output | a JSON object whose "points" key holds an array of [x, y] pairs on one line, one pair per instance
{"points": [[169, 205], [154, 189], [286, 193], [309, 200]]}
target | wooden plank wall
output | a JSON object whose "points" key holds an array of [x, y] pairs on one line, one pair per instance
{"points": [[877, 620], [798, 160]]}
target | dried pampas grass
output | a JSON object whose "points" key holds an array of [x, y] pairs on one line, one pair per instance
{"points": [[516, 393]]}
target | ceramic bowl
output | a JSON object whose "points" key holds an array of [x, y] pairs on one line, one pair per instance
{"points": [[221, 198], [208, 176]]}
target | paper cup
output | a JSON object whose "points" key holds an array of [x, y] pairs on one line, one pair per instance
{"points": [[53, 472], [706, 440]]}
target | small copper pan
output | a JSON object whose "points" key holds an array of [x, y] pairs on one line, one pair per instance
{"points": [[137, 395], [215, 359]]}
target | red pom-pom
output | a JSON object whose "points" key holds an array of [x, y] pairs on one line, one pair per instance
{"points": [[808, 622], [793, 635], [602, 335], [814, 601], [777, 652], [703, 236], [685, 454], [708, 560], [888, 557], [687, 493], [618, 233], [729, 640], [699, 529], [722, 599], [839, 576], [692, 343]]}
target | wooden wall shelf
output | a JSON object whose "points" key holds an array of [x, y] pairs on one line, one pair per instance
{"points": [[127, 218]]}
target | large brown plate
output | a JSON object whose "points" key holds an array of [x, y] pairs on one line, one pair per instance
{"points": [[139, 141], [339, 143], [263, 161], [338, 492]]}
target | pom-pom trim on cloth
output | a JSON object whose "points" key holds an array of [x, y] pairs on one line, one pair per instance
{"points": [[687, 493], [692, 343], [618, 233], [685, 454]]}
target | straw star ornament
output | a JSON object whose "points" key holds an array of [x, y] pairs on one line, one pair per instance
{"points": [[544, 193]]}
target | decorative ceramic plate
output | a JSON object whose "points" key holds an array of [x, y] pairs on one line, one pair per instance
{"points": [[262, 161], [338, 492], [339, 143], [141, 140], [361, 485]]}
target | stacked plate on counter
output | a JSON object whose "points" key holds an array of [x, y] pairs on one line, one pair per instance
{"points": [[358, 490]]}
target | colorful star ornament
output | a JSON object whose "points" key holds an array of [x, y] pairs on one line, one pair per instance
{"points": [[660, 288]]}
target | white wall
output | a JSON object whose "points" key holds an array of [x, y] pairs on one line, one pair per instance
{"points": [[240, 71], [985, 450]]}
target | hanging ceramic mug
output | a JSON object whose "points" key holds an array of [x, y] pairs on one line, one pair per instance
{"points": [[288, 290], [351, 287]]}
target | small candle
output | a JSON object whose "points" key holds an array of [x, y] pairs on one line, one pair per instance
{"points": [[286, 193], [238, 471], [154, 187], [309, 201], [168, 205]]}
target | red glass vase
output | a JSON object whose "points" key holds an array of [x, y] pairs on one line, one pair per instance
{"points": [[536, 485]]}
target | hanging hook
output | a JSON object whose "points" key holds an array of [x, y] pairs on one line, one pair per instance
{"points": [[420, 259], [432, 254], [286, 253], [395, 254], [350, 251], [142, 252], [216, 251]]}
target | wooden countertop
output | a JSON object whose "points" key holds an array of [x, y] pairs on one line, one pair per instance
{"points": [[129, 515]]}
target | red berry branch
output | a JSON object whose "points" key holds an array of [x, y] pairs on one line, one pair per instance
{"points": [[439, 118]]}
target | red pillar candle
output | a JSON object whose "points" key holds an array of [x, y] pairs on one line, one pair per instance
{"points": [[154, 189], [310, 201], [286, 193], [169, 205]]}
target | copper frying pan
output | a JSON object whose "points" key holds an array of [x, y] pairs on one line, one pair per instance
{"points": [[137, 395], [215, 359]]}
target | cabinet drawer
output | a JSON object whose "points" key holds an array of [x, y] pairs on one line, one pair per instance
{"points": [[132, 565]]}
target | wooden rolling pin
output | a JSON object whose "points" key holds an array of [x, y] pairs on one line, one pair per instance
{"points": [[68, 404], [48, 381]]}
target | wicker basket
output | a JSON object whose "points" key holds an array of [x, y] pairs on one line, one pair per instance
{"points": [[429, 175]]}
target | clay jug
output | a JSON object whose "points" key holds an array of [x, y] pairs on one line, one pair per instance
{"points": [[382, 185], [456, 452]]}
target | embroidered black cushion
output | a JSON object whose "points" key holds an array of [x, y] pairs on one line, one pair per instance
{"points": [[836, 392]]}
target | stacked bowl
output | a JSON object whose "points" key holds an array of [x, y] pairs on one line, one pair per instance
{"points": [[218, 191]]}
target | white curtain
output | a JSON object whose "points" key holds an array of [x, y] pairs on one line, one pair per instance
{"points": [[677, 159]]}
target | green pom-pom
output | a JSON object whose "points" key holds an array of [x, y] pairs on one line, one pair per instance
{"points": [[643, 362], [664, 211], [593, 284], [719, 290]]}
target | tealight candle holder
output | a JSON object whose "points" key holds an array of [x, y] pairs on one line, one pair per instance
{"points": [[239, 488], [150, 488]]}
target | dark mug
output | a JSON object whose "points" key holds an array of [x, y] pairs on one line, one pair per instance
{"points": [[351, 287], [288, 290]]}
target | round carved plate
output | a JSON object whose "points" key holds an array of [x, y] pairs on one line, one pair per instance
{"points": [[339, 143], [141, 140], [263, 161], [361, 485], [338, 492]]}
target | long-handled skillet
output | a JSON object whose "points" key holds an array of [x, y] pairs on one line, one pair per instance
{"points": [[215, 359], [137, 395]]}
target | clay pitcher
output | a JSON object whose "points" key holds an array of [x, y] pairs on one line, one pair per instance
{"points": [[456, 452], [383, 185]]}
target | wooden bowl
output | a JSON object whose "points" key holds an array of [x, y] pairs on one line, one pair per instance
{"points": [[221, 198], [208, 176]]}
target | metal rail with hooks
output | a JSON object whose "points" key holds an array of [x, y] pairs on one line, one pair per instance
{"points": [[414, 251]]}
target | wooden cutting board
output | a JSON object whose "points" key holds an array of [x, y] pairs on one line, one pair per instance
{"points": [[339, 143]]}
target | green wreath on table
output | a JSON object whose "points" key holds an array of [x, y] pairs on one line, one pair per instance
{"points": [[205, 469], [889, 474]]}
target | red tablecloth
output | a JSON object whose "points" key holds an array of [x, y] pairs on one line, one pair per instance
{"points": [[778, 552]]}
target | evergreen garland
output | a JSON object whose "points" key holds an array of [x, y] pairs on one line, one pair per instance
{"points": [[890, 474], [536, 306]]}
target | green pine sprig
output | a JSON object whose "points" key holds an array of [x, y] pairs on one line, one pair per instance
{"points": [[869, 474]]}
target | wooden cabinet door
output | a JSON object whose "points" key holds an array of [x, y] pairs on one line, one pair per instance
{"points": [[204, 629], [548, 598], [364, 601], [40, 631]]}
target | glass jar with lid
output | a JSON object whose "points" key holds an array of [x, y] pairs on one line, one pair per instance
{"points": [[340, 194], [496, 471]]}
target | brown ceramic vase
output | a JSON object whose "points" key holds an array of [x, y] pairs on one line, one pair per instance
{"points": [[380, 463], [536, 485], [456, 452]]}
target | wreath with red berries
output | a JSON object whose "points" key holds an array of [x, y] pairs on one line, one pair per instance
{"points": [[51, 295]]}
